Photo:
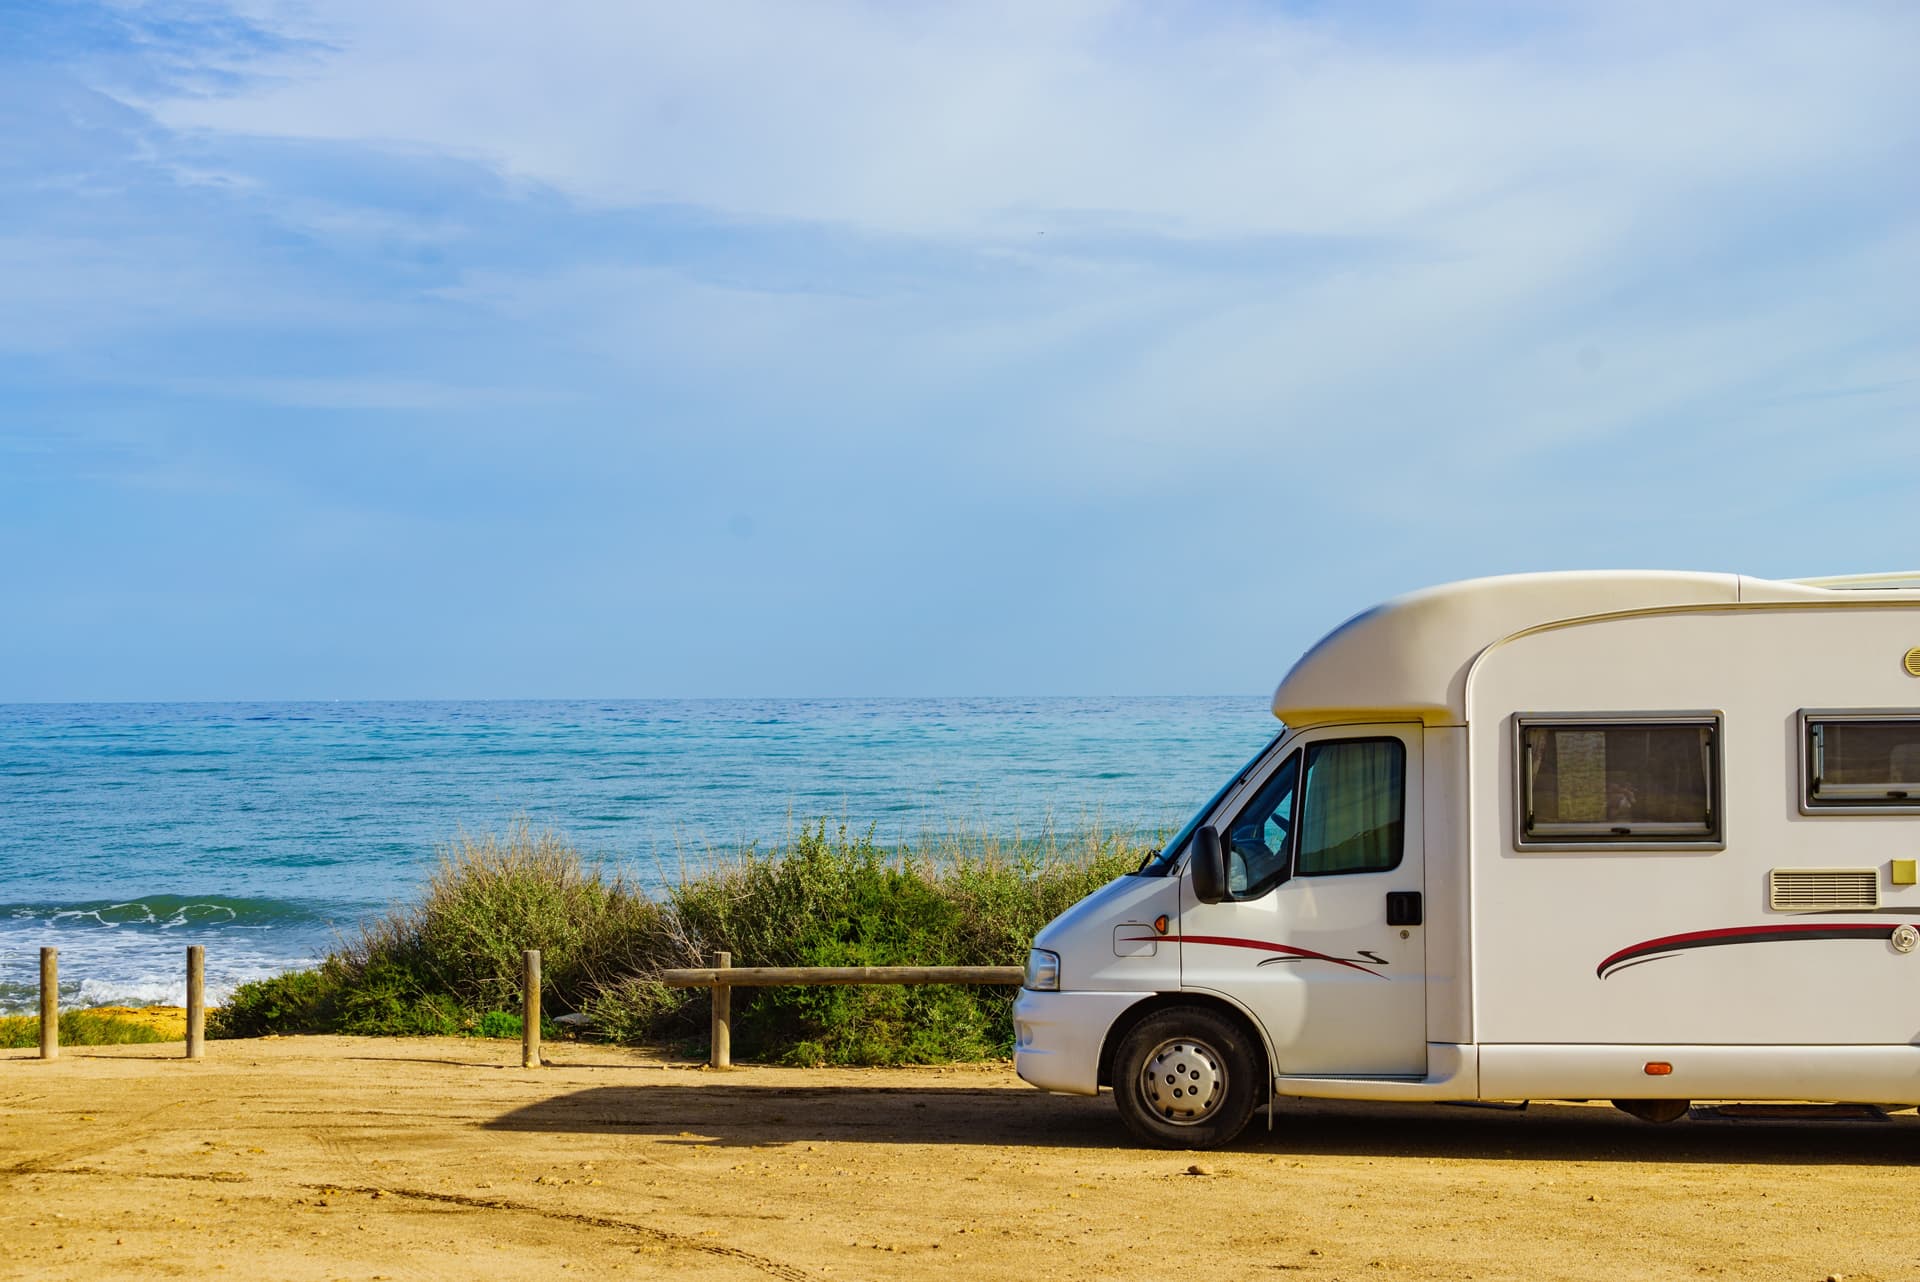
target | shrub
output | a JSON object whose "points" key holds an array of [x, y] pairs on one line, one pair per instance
{"points": [[499, 1023], [452, 961], [638, 1009], [840, 900], [490, 900], [301, 1001]]}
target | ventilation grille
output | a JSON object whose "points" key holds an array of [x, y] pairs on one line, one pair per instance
{"points": [[1802, 890]]}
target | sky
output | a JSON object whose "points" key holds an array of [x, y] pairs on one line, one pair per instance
{"points": [[457, 349]]}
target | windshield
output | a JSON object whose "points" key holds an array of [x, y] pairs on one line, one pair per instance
{"points": [[1160, 862]]}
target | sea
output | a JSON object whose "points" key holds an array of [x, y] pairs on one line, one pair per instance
{"points": [[267, 831]]}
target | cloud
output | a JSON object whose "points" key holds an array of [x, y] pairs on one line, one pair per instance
{"points": [[1476, 196], [997, 120], [1060, 312]]}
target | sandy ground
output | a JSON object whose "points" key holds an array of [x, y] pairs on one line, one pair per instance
{"points": [[311, 1158]]}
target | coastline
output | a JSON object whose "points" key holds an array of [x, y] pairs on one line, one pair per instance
{"points": [[268, 831]]}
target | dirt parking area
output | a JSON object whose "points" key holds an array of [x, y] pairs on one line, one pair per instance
{"points": [[323, 1158]]}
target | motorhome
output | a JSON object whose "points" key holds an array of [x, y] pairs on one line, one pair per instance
{"points": [[1647, 837]]}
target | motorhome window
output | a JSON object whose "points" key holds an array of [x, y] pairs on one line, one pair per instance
{"points": [[1863, 762], [1260, 838], [1619, 782], [1353, 809]]}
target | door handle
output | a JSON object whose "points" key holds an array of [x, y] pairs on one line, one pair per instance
{"points": [[1403, 908]]}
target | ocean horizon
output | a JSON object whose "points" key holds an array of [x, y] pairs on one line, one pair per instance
{"points": [[266, 830]]}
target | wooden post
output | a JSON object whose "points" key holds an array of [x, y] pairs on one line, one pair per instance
{"points": [[196, 1000], [720, 1043], [49, 1003], [530, 1013]]}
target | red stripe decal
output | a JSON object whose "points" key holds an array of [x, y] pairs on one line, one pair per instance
{"points": [[1746, 935], [1265, 946]]}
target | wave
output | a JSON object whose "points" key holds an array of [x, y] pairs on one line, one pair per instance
{"points": [[174, 912], [138, 992], [147, 989], [131, 951]]}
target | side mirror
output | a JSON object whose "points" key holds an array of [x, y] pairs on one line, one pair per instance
{"points": [[1208, 867]]}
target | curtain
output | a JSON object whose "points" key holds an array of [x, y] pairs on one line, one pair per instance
{"points": [[1351, 814]]}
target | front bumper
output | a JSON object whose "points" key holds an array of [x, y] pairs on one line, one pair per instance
{"points": [[1057, 1037]]}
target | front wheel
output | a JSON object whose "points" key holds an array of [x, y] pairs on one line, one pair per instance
{"points": [[1186, 1077]]}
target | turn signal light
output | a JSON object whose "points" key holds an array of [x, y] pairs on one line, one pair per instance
{"points": [[1160, 924], [1658, 1068]]}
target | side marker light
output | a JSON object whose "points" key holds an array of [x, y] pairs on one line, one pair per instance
{"points": [[1160, 924], [1658, 1068]]}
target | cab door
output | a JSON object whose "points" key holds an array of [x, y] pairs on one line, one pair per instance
{"points": [[1323, 937]]}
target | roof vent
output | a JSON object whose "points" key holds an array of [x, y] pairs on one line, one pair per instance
{"points": [[1812, 890]]}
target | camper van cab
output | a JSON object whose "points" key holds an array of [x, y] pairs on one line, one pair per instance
{"points": [[1641, 837]]}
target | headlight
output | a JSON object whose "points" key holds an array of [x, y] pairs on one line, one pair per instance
{"points": [[1043, 971]]}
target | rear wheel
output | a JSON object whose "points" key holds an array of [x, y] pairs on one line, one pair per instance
{"points": [[1654, 1110], [1186, 1077]]}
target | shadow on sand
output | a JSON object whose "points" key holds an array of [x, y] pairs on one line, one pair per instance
{"points": [[706, 1115]]}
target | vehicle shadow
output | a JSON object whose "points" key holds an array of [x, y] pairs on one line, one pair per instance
{"points": [[708, 1115]]}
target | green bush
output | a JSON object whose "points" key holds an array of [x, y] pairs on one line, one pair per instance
{"points": [[840, 900], [451, 962], [490, 900], [639, 1009], [499, 1023], [302, 1001]]}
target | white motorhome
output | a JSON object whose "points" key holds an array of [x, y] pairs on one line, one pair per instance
{"points": [[1643, 837]]}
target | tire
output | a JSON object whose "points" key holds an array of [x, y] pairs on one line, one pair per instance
{"points": [[1654, 1110], [1187, 1077]]}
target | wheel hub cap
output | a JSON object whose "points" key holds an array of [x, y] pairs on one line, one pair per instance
{"points": [[1183, 1081]]}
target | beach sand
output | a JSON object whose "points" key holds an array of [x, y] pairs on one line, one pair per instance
{"points": [[324, 1158]]}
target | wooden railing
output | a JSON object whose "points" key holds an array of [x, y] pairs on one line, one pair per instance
{"points": [[723, 977]]}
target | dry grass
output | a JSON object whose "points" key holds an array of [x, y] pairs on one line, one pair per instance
{"points": [[90, 1028]]}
